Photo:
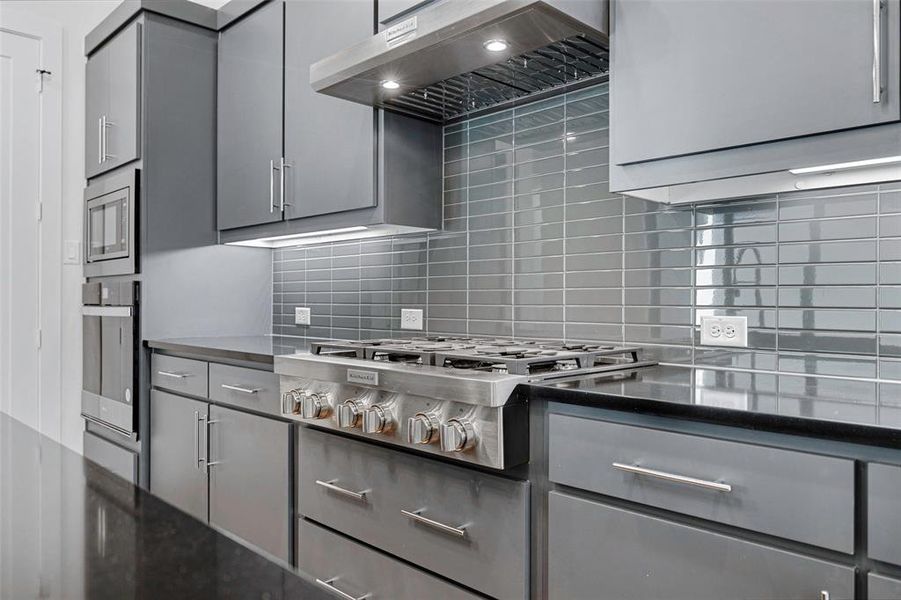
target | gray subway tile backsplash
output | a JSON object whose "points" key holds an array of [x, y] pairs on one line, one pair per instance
{"points": [[535, 245]]}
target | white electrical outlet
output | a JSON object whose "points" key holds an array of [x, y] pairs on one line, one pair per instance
{"points": [[301, 315], [724, 331], [411, 318]]}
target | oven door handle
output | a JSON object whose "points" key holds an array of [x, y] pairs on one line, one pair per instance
{"points": [[105, 425], [107, 311]]}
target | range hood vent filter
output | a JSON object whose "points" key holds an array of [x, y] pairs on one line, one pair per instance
{"points": [[514, 80]]}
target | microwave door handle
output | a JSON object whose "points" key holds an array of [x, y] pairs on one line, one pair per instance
{"points": [[106, 311]]}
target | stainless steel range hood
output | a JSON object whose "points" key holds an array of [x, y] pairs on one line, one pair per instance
{"points": [[442, 66]]}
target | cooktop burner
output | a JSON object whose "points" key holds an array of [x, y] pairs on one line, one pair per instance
{"points": [[497, 355]]}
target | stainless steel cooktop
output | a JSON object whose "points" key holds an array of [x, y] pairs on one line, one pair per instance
{"points": [[452, 396]]}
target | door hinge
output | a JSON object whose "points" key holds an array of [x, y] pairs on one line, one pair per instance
{"points": [[40, 84]]}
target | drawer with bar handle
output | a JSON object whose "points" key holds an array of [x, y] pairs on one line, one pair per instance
{"points": [[465, 525], [780, 492], [182, 375], [245, 388], [351, 571]]}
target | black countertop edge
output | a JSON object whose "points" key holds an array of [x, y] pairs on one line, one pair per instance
{"points": [[260, 349], [853, 433]]}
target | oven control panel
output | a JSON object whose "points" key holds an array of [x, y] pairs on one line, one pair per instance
{"points": [[495, 437]]}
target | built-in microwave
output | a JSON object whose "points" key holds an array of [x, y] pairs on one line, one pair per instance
{"points": [[110, 225]]}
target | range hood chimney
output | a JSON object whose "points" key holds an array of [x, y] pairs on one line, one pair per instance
{"points": [[458, 57]]}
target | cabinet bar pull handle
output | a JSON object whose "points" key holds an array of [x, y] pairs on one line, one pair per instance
{"points": [[203, 461], [329, 584], [100, 151], [196, 439], [416, 515], [206, 443], [330, 485], [271, 187], [877, 51], [701, 483], [173, 374], [283, 165], [238, 388]]}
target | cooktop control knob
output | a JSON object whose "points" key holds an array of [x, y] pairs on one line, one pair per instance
{"points": [[312, 406], [375, 419], [457, 435], [349, 413], [291, 402], [421, 428]]}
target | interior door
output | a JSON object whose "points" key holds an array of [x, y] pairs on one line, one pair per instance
{"points": [[250, 118], [250, 478], [123, 119], [329, 142], [177, 450], [695, 75]]}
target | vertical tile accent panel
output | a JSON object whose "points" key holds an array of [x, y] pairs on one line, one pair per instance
{"points": [[535, 245]]}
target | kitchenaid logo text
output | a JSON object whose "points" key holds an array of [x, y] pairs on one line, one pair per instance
{"points": [[363, 377], [401, 33]]}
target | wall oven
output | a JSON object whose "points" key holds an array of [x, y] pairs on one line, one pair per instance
{"points": [[110, 225], [111, 350]]}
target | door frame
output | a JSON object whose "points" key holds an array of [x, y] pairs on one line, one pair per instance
{"points": [[50, 36]]}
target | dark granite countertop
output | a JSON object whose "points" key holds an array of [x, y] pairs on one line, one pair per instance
{"points": [[743, 399], [73, 530], [253, 348]]}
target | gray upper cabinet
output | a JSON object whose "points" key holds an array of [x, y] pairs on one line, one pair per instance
{"points": [[329, 143], [177, 453], [113, 103], [250, 478], [250, 118], [698, 76]]}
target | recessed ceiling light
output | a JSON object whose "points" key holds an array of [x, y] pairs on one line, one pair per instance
{"points": [[496, 45], [390, 84]]}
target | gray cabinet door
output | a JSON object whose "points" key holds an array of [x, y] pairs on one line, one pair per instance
{"points": [[695, 75], [250, 478], [880, 587], [176, 448], [599, 551], [250, 118], [329, 142], [883, 517], [123, 139], [96, 105]]}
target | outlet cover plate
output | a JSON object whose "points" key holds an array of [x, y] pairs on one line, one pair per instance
{"points": [[411, 318], [301, 315], [724, 331]]}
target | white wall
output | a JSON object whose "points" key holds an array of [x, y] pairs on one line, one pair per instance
{"points": [[77, 18]]}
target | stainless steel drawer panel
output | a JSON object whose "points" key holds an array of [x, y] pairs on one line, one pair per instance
{"points": [[121, 461], [780, 492], [337, 562], [465, 525], [880, 587], [883, 515], [595, 550], [181, 375], [245, 388]]}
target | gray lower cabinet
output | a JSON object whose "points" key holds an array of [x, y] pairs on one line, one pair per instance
{"points": [[685, 71], [250, 478], [113, 102], [880, 587], [250, 118], [467, 526], [883, 516], [348, 569], [177, 474], [329, 143], [600, 551], [780, 492]]}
